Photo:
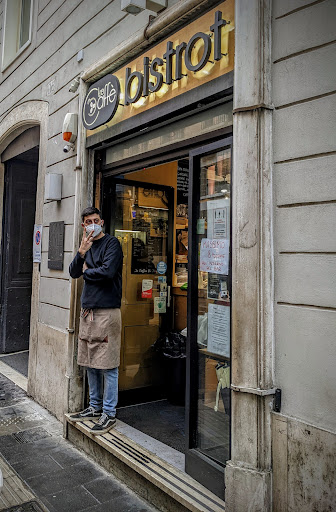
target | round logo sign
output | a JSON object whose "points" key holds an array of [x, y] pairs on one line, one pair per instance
{"points": [[101, 102], [37, 237], [161, 267]]}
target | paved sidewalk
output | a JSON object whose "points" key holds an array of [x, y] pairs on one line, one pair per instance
{"points": [[44, 471]]}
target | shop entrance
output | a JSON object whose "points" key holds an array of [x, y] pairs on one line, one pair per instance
{"points": [[177, 221], [139, 209]]}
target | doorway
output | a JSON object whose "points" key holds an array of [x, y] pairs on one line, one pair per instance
{"points": [[199, 274], [139, 209], [17, 257]]}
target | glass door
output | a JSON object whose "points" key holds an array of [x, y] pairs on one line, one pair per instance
{"points": [[140, 215], [209, 318]]}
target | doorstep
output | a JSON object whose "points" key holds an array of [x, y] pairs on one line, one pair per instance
{"points": [[162, 484]]}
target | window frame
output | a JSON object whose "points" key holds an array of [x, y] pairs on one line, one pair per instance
{"points": [[202, 468], [6, 27]]}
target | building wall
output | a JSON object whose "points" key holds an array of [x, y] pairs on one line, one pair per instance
{"points": [[304, 184], [44, 72]]}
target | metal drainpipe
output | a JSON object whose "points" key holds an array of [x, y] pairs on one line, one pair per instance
{"points": [[70, 371]]}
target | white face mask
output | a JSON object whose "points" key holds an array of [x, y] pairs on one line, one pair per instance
{"points": [[95, 228]]}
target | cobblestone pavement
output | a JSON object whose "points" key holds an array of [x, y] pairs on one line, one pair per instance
{"points": [[43, 472]]}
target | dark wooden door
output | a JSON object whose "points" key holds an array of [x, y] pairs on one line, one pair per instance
{"points": [[17, 254]]}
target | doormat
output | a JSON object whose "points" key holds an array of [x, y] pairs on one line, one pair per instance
{"points": [[31, 506], [160, 420]]}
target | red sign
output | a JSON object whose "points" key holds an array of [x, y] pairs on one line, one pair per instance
{"points": [[147, 289]]}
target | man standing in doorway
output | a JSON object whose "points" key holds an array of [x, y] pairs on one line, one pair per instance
{"points": [[99, 260]]}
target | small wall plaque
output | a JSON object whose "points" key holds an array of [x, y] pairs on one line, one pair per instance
{"points": [[56, 245]]}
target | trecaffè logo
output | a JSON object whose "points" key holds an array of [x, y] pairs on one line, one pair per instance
{"points": [[101, 102], [102, 99]]}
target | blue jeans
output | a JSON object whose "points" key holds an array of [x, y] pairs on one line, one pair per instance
{"points": [[103, 389]]}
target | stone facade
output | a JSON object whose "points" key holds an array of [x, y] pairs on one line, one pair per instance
{"points": [[284, 302]]}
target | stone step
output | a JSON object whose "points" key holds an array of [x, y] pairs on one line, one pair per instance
{"points": [[178, 491]]}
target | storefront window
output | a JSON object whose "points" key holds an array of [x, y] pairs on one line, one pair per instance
{"points": [[213, 321]]}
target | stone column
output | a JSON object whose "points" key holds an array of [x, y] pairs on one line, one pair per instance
{"points": [[248, 473]]}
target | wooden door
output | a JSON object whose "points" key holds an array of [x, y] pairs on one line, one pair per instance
{"points": [[141, 217], [17, 254]]}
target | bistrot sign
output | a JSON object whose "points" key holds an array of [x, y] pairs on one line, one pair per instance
{"points": [[200, 52]]}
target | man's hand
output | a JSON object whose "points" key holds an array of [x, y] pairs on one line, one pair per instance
{"points": [[86, 244]]}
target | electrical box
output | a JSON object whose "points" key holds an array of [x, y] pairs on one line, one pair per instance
{"points": [[53, 187], [156, 5], [136, 6]]}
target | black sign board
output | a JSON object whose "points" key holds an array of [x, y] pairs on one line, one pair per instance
{"points": [[56, 245], [101, 102], [182, 185]]}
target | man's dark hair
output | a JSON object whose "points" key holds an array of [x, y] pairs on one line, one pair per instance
{"points": [[90, 210]]}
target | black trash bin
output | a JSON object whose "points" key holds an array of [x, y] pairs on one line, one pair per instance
{"points": [[172, 350]]}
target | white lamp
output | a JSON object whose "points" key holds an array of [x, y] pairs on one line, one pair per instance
{"points": [[53, 186]]}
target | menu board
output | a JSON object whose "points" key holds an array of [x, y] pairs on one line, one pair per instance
{"points": [[149, 242], [146, 256], [182, 185]]}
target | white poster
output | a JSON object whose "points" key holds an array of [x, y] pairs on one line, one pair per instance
{"points": [[218, 218], [37, 243], [219, 329], [214, 256]]}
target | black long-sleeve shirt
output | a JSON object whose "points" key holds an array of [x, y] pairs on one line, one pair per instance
{"points": [[103, 278]]}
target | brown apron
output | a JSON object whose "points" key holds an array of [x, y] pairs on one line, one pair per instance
{"points": [[99, 338]]}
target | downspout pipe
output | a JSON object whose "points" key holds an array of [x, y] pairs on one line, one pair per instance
{"points": [[73, 398]]}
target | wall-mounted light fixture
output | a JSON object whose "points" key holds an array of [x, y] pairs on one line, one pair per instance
{"points": [[53, 187], [74, 85]]}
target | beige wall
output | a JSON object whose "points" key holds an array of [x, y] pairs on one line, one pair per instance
{"points": [[304, 181], [305, 207], [44, 72]]}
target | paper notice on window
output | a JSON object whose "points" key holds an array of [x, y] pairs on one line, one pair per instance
{"points": [[160, 304], [214, 256], [219, 330], [147, 288], [218, 212]]}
